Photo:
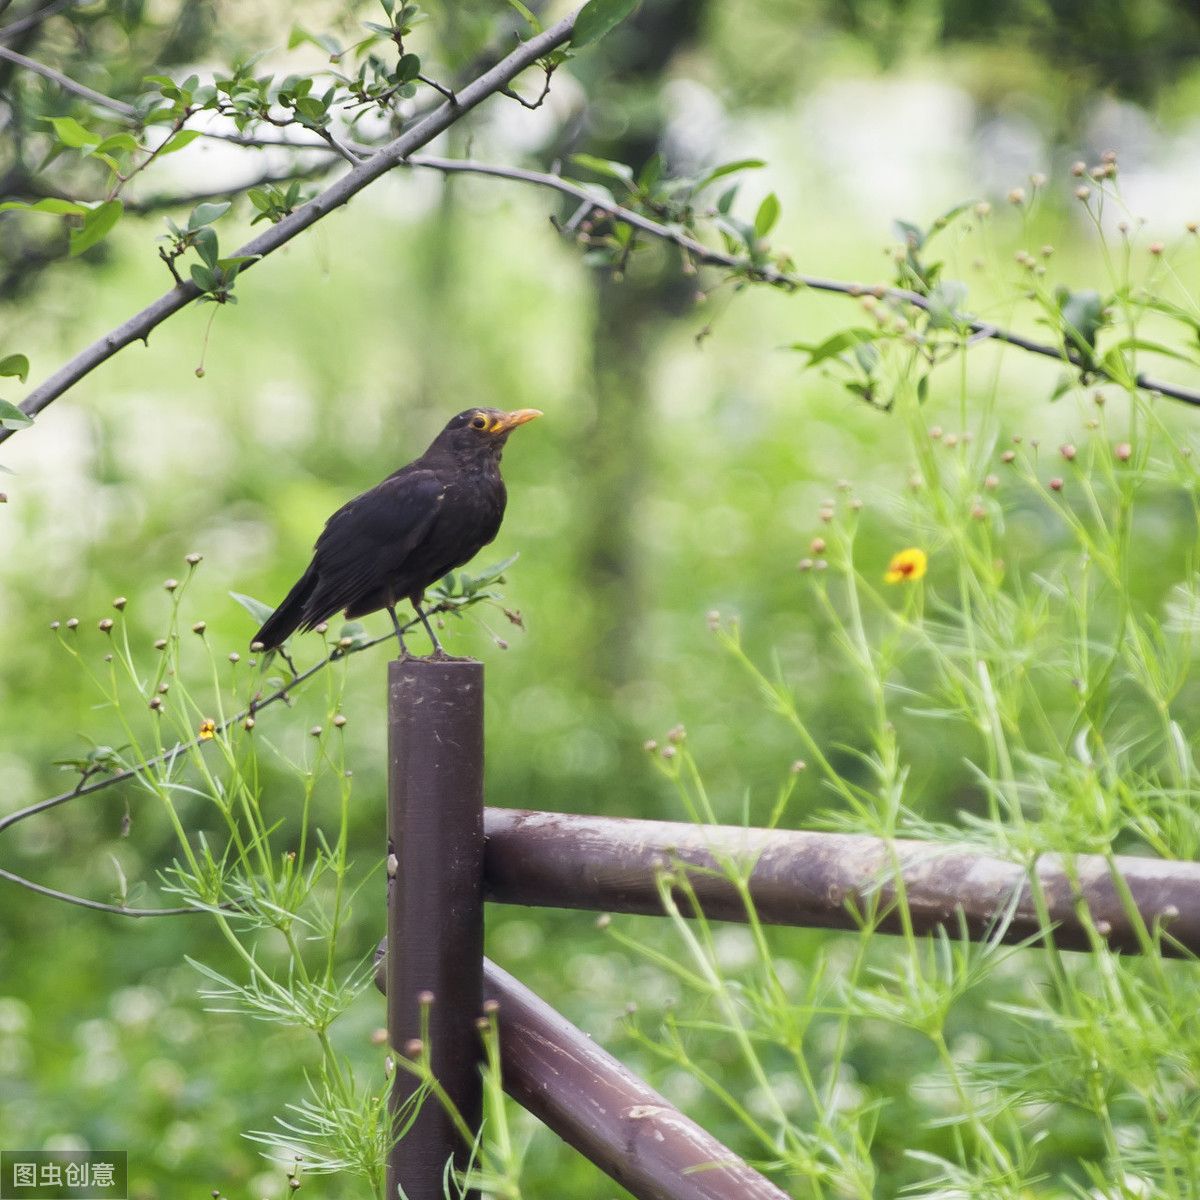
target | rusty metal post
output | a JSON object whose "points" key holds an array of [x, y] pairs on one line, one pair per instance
{"points": [[435, 902]]}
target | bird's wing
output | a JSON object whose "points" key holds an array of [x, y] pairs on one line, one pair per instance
{"points": [[368, 540]]}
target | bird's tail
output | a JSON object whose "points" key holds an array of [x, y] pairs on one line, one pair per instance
{"points": [[282, 623]]}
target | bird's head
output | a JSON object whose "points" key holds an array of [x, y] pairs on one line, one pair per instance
{"points": [[479, 432]]}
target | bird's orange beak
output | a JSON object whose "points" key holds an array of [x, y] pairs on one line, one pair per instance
{"points": [[517, 417]]}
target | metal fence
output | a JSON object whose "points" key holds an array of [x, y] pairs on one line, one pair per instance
{"points": [[447, 855]]}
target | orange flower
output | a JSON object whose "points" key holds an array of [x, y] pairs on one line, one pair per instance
{"points": [[208, 729], [907, 566]]}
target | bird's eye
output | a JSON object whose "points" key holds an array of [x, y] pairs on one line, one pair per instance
{"points": [[479, 422]]}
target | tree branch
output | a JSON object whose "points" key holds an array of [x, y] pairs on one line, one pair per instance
{"points": [[119, 910], [15, 28], [68, 84], [139, 327], [788, 279], [153, 204]]}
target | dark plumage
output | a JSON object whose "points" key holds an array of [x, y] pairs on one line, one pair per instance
{"points": [[391, 543]]}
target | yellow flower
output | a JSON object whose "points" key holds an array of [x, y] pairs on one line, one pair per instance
{"points": [[208, 729], [907, 566]]}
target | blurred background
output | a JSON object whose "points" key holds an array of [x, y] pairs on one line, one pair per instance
{"points": [[680, 468]]}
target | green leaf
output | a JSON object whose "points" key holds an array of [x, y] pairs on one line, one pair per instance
{"points": [[256, 608], [96, 226], [206, 245], [408, 68], [651, 173], [726, 199], [177, 141], [489, 574], [203, 277], [913, 236], [1083, 315], [597, 17], [50, 205], [1113, 364], [71, 133], [117, 141], [206, 214], [604, 166], [831, 347], [767, 215], [15, 364], [945, 302], [356, 632], [11, 417], [311, 109], [1134, 343], [729, 168], [866, 354], [534, 23], [949, 215]]}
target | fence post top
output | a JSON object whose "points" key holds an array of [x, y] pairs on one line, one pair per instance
{"points": [[399, 667]]}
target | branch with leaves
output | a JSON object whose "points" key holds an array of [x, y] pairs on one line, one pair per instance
{"points": [[1081, 314], [140, 326]]}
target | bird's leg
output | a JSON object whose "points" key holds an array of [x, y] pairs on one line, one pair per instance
{"points": [[403, 651], [438, 649], [287, 658]]}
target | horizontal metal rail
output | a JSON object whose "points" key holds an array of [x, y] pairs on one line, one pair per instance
{"points": [[826, 880], [594, 1103]]}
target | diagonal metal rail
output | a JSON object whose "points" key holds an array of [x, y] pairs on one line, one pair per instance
{"points": [[601, 1108]]}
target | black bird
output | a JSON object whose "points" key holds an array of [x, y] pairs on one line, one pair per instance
{"points": [[391, 543]]}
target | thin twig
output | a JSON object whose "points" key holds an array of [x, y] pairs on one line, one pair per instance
{"points": [[139, 326], [68, 84], [16, 28], [786, 279], [438, 87], [512, 94], [340, 148], [169, 756], [152, 204], [98, 905]]}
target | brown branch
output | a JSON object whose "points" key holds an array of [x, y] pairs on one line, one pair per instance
{"points": [[139, 327], [772, 275]]}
